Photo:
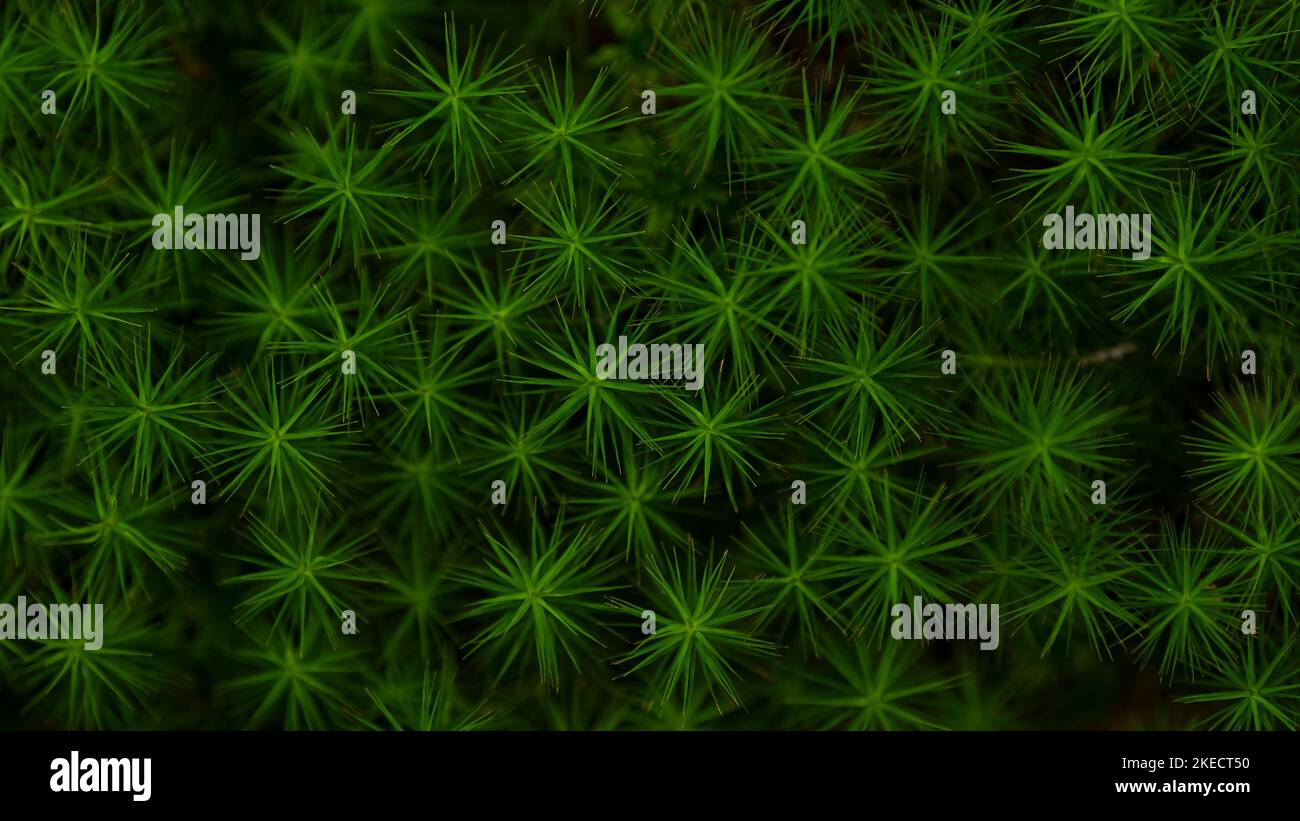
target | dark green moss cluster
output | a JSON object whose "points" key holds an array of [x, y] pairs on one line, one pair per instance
{"points": [[373, 470]]}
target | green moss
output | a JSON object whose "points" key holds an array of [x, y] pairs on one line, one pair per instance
{"points": [[918, 401]]}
